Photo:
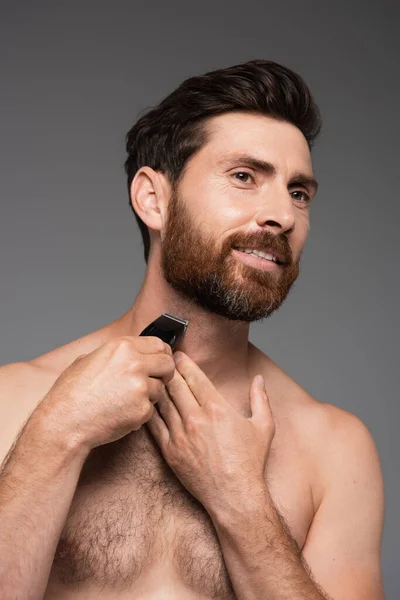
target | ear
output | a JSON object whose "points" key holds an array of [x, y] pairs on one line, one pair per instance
{"points": [[149, 196]]}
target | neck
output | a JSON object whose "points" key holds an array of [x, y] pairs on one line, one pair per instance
{"points": [[220, 347]]}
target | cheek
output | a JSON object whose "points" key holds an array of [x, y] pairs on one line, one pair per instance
{"points": [[233, 206], [220, 206], [303, 223], [236, 216], [300, 234]]}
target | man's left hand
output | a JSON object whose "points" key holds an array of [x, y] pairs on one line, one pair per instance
{"points": [[214, 451]]}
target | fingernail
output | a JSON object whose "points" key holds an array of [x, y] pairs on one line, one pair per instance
{"points": [[261, 382]]}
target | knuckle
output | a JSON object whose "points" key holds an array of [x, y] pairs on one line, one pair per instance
{"points": [[139, 386], [136, 365], [192, 424], [180, 440], [162, 345], [214, 410], [124, 342], [156, 388], [155, 343], [157, 393], [148, 410], [152, 410], [120, 345], [168, 368]]}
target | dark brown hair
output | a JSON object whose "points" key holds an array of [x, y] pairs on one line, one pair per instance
{"points": [[167, 136]]}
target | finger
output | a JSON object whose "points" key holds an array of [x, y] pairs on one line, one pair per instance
{"points": [[159, 365], [157, 389], [261, 413], [172, 409], [181, 395], [159, 431], [170, 415], [148, 344], [196, 380]]}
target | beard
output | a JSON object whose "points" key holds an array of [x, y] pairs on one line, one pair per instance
{"points": [[214, 278]]}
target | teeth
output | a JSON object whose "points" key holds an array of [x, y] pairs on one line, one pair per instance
{"points": [[259, 253]]}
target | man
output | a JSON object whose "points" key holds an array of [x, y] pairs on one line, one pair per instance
{"points": [[130, 473]]}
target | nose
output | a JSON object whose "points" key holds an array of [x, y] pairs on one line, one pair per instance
{"points": [[277, 211]]}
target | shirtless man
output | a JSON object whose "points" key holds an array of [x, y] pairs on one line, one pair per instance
{"points": [[129, 474]]}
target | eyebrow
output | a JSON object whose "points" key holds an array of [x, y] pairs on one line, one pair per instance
{"points": [[267, 167]]}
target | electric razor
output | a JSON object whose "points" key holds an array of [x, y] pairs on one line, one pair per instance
{"points": [[168, 328]]}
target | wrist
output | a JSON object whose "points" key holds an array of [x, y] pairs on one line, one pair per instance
{"points": [[50, 430], [246, 502]]}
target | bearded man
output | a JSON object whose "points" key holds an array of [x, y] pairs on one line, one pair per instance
{"points": [[131, 471]]}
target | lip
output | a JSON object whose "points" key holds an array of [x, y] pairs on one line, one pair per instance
{"points": [[279, 256], [255, 261]]}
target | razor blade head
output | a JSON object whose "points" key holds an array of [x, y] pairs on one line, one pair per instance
{"points": [[168, 328]]}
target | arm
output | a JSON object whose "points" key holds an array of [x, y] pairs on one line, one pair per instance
{"points": [[262, 558], [342, 550], [37, 482], [343, 545]]}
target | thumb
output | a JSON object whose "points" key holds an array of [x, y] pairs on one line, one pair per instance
{"points": [[259, 403]]}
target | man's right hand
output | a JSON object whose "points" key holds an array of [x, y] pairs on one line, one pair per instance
{"points": [[104, 395]]}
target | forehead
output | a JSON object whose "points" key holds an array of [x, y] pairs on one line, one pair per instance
{"points": [[269, 139]]}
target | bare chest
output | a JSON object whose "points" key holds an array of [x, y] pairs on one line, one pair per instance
{"points": [[130, 513]]}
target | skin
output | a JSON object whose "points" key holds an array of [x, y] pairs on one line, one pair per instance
{"points": [[219, 432]]}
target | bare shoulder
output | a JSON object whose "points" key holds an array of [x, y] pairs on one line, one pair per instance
{"points": [[309, 414], [17, 381], [344, 449], [22, 386], [335, 442], [343, 544]]}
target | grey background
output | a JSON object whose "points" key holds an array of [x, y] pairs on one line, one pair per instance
{"points": [[75, 77]]}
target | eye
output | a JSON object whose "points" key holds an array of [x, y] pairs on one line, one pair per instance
{"points": [[306, 196], [246, 175]]}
